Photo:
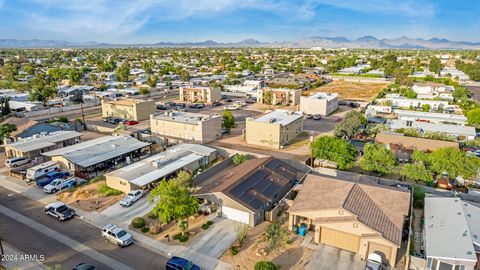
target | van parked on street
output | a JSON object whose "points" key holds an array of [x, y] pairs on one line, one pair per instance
{"points": [[15, 162]]}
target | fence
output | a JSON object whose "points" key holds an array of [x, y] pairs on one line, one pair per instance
{"points": [[213, 170], [58, 109]]}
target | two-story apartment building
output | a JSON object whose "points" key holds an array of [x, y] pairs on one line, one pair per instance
{"points": [[186, 126], [280, 96], [319, 103], [200, 94], [131, 109], [274, 129]]}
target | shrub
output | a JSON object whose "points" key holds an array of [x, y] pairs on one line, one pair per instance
{"points": [[155, 227], [205, 226], [265, 265], [145, 229], [152, 215], [210, 222], [233, 250], [138, 222], [181, 237], [107, 191]]}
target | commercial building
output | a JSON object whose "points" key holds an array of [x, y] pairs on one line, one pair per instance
{"points": [[319, 103], [249, 192], [139, 175], [438, 118], [402, 102], [451, 234], [186, 126], [131, 109], [359, 218], [280, 96], [459, 132], [274, 129], [87, 158], [34, 146], [200, 94]]}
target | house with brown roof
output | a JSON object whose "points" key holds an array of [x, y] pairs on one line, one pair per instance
{"points": [[360, 218], [247, 192]]}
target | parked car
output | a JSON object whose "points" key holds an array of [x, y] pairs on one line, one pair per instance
{"points": [[317, 117], [228, 100], [131, 123], [250, 101], [15, 162], [171, 103], [131, 198], [374, 262], [116, 235], [225, 130], [59, 211], [402, 187], [59, 184], [114, 120], [84, 266], [177, 263], [49, 177], [231, 107], [197, 106], [161, 107], [216, 104], [106, 119], [146, 131], [309, 116]]}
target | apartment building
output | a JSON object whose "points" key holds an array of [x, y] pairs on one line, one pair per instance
{"points": [[274, 129], [319, 103], [280, 96], [186, 126], [131, 109], [200, 94]]}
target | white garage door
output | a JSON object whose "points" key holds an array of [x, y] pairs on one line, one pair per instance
{"points": [[234, 214]]}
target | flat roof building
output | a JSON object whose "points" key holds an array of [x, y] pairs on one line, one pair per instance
{"points": [[130, 109], [99, 154], [200, 94], [186, 126], [34, 146], [432, 117], [460, 132], [319, 103], [448, 237], [188, 157], [280, 96], [274, 129]]}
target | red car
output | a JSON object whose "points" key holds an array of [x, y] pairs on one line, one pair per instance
{"points": [[131, 123]]}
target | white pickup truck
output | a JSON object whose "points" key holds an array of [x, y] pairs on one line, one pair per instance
{"points": [[60, 184]]}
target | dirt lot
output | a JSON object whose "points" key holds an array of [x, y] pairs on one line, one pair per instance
{"points": [[87, 197], [89, 135], [292, 256], [352, 90]]}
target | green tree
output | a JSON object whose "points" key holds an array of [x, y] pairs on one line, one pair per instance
{"points": [[152, 81], [228, 119], [6, 130], [350, 125], [93, 77], [184, 179], [74, 76], [6, 106], [454, 162], [184, 75], [265, 265], [409, 93], [143, 91], [435, 65], [267, 97], [174, 203], [55, 74], [473, 117], [417, 172], [122, 72], [240, 158], [426, 107], [378, 159], [276, 236], [335, 149]]}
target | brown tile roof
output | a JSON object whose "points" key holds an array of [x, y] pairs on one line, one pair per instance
{"points": [[413, 143], [382, 209]]}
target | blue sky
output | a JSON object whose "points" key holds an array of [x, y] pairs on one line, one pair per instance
{"points": [[132, 21]]}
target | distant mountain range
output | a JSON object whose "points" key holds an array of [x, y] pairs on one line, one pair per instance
{"points": [[307, 42]]}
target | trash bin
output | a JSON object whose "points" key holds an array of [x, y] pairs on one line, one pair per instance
{"points": [[295, 229], [302, 231]]}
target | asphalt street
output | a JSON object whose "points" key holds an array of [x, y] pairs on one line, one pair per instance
{"points": [[24, 225]]}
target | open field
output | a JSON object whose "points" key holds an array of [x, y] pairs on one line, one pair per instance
{"points": [[352, 90]]}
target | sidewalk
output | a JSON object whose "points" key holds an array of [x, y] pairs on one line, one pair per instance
{"points": [[14, 260]]}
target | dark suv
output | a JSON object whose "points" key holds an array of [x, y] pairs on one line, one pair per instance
{"points": [[177, 263]]}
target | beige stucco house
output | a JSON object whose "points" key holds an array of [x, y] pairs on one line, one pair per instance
{"points": [[131, 109], [360, 218], [274, 129], [280, 96], [200, 94], [186, 126]]}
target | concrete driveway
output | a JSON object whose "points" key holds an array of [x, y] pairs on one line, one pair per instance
{"points": [[328, 258], [217, 239], [126, 214]]}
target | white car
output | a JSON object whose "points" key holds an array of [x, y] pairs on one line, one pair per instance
{"points": [[131, 197], [59, 211], [231, 108], [374, 262], [114, 234], [59, 184]]}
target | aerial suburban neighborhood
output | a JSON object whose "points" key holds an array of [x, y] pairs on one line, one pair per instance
{"points": [[313, 152]]}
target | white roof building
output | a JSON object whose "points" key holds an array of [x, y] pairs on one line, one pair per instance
{"points": [[279, 117], [433, 117], [454, 130], [448, 238]]}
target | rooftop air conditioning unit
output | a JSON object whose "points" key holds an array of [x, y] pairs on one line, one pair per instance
{"points": [[272, 120]]}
